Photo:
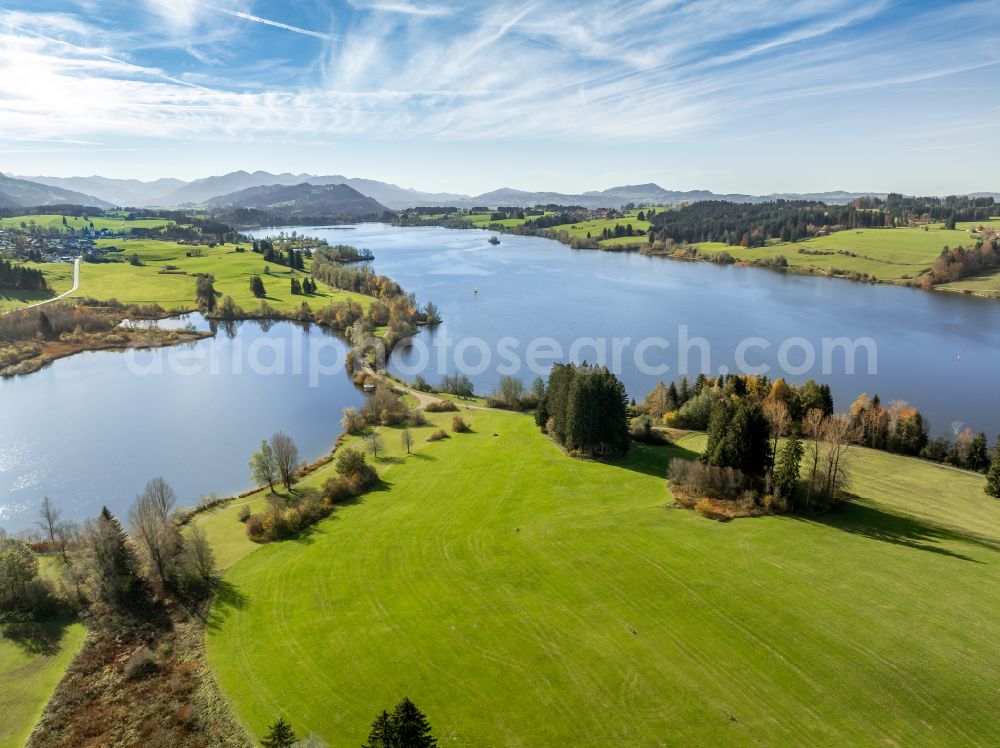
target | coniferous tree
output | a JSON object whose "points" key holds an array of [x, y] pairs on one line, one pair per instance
{"points": [[279, 735], [786, 472], [992, 487], [739, 437], [411, 726], [257, 287], [382, 734], [979, 458], [114, 564]]}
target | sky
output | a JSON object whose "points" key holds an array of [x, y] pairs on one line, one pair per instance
{"points": [[753, 96]]}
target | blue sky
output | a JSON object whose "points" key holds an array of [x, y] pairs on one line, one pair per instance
{"points": [[754, 96]]}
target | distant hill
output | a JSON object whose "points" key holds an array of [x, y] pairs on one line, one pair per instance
{"points": [[175, 192], [333, 200], [20, 193], [121, 192], [203, 190]]}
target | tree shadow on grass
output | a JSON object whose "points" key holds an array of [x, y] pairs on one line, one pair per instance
{"points": [[227, 600], [652, 459], [880, 524], [35, 637]]}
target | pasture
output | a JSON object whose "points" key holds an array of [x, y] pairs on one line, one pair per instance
{"points": [[60, 279], [887, 254], [152, 282], [520, 597], [33, 658], [77, 223]]}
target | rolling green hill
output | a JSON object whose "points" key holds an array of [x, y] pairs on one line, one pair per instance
{"points": [[520, 597]]}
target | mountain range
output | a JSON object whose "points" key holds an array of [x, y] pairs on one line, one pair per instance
{"points": [[306, 200], [22, 193], [217, 190]]}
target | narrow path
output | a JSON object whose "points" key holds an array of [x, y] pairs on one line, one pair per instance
{"points": [[76, 285]]}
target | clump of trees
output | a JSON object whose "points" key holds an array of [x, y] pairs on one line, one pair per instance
{"points": [[959, 262], [585, 409], [204, 292], [511, 394], [745, 468], [21, 277], [405, 727]]}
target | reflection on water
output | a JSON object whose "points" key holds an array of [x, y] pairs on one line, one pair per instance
{"points": [[89, 430]]}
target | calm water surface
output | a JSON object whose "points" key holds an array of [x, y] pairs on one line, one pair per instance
{"points": [[93, 428], [88, 430]]}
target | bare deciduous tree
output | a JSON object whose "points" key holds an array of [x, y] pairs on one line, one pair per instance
{"points": [[199, 553], [286, 457], [154, 530], [779, 419], [49, 521], [374, 444], [406, 439], [262, 466]]}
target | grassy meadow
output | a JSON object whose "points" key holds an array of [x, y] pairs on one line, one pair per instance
{"points": [[887, 254], [520, 597], [151, 282], [55, 221], [59, 276], [31, 663]]}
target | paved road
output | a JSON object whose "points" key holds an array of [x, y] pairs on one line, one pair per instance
{"points": [[76, 285]]}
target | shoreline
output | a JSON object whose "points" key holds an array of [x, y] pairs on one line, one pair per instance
{"points": [[637, 248]]}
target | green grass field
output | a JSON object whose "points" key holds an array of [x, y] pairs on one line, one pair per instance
{"points": [[887, 254], [31, 664], [520, 597], [59, 276], [52, 221], [595, 227], [145, 284]]}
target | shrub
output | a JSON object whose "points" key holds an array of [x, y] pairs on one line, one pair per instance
{"points": [[440, 406], [458, 425], [349, 460], [438, 436], [418, 418], [244, 513], [701, 480], [140, 663]]}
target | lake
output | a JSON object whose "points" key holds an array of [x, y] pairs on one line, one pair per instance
{"points": [[938, 351], [89, 429]]}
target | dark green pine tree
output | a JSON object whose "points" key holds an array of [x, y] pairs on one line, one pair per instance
{"points": [[673, 398], [739, 437], [992, 486], [557, 399], [383, 733], [257, 287], [411, 726], [116, 562], [279, 735], [291, 259], [979, 458], [786, 472]]}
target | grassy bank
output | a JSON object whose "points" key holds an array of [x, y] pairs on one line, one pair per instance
{"points": [[32, 660], [524, 598]]}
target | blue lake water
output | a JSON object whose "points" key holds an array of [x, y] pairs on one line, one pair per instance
{"points": [[92, 429]]}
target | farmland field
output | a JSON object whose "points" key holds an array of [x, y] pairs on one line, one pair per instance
{"points": [[59, 276], [887, 254], [146, 284], [53, 221], [30, 667], [520, 597]]}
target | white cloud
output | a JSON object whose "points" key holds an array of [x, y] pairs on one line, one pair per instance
{"points": [[592, 71]]}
